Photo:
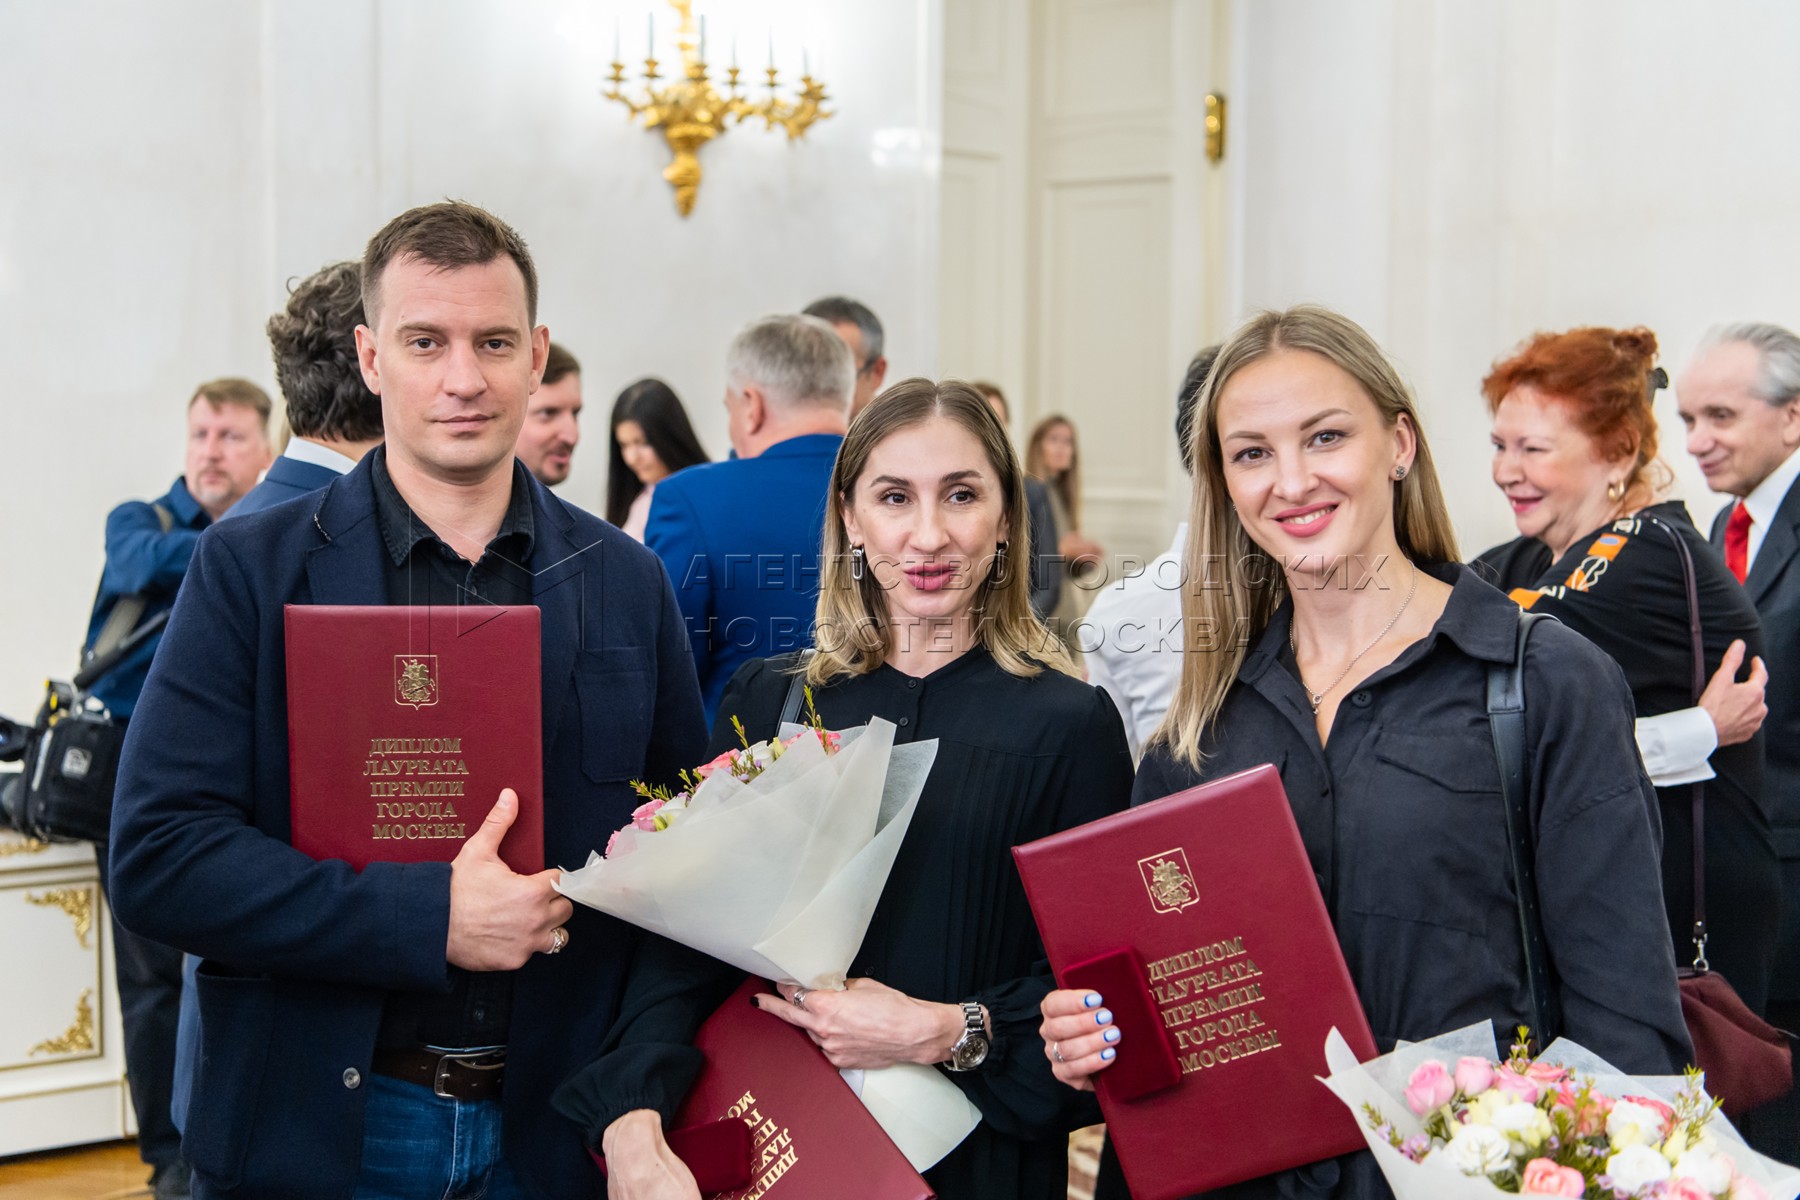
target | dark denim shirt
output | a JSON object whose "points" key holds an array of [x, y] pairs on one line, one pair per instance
{"points": [[141, 557], [1401, 816], [422, 569]]}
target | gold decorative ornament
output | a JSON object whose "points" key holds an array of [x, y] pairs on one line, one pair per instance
{"points": [[22, 845], [691, 112], [77, 902], [79, 1037], [1215, 126]]}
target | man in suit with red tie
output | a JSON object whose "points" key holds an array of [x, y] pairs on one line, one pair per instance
{"points": [[1740, 401]]}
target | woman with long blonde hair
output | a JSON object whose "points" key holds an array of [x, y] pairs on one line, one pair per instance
{"points": [[924, 619], [1333, 632]]}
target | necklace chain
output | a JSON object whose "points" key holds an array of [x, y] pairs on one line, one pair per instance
{"points": [[1317, 698]]}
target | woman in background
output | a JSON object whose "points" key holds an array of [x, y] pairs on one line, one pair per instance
{"points": [[1052, 456], [651, 440], [1575, 453]]}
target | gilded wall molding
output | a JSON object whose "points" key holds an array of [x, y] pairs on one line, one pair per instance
{"points": [[79, 1037], [78, 902], [22, 845]]}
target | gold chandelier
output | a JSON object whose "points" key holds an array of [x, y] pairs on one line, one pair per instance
{"points": [[690, 111]]}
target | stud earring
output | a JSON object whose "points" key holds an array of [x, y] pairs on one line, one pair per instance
{"points": [[1615, 490], [1399, 473], [856, 562]]}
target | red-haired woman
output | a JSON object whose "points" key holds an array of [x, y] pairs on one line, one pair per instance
{"points": [[1575, 453]]}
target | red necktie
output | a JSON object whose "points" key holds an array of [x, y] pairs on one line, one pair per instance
{"points": [[1737, 541]]}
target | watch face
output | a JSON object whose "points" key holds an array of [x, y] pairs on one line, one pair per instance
{"points": [[971, 1052]]}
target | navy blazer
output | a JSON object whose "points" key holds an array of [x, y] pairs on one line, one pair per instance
{"points": [[1773, 585], [287, 479], [301, 954], [740, 539]]}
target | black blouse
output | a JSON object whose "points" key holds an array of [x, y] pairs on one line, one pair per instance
{"points": [[1622, 588], [1017, 759], [1401, 815]]}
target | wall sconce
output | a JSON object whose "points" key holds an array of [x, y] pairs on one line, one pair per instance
{"points": [[691, 113]]}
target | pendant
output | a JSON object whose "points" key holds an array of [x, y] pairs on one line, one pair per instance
{"points": [[1315, 701]]}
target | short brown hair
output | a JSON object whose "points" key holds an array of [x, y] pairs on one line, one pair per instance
{"points": [[316, 365], [559, 363], [1604, 378], [241, 392], [449, 234]]}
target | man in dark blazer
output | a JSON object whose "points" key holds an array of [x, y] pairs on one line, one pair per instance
{"points": [[1740, 401], [740, 538], [334, 418], [324, 989]]}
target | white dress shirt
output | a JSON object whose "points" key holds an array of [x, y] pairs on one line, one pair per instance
{"points": [[1134, 627], [301, 450], [1765, 501]]}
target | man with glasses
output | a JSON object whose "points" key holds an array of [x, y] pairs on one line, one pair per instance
{"points": [[861, 331]]}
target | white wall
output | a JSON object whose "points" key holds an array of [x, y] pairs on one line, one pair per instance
{"points": [[1457, 176], [164, 169]]}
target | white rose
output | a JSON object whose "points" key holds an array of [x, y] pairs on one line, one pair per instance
{"points": [[1632, 1124], [1524, 1124], [1479, 1150], [1637, 1167], [1711, 1171]]}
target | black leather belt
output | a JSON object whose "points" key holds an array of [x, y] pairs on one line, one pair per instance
{"points": [[475, 1075]]}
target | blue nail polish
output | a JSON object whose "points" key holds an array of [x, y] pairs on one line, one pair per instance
{"points": [[1111, 1035], [1091, 1000], [1103, 1017], [1109, 1054]]}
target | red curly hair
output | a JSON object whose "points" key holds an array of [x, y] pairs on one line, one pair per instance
{"points": [[1604, 378]]}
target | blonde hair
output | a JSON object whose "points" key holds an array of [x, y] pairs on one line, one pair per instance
{"points": [[853, 633], [1235, 587]]}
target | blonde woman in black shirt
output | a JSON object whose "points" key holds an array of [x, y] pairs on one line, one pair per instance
{"points": [[1312, 477]]}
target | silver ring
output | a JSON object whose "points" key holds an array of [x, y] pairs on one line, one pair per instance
{"points": [[559, 937], [799, 997], [1056, 1053]]}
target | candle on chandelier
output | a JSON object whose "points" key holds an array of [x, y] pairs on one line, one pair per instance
{"points": [[702, 39], [805, 62], [651, 51], [616, 43]]}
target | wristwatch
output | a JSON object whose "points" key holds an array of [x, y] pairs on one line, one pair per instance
{"points": [[971, 1049]]}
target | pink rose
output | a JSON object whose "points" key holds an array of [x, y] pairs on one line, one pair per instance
{"points": [[1516, 1086], [1430, 1087], [1685, 1189], [1474, 1076], [613, 842], [1546, 1073], [724, 760], [644, 815], [1662, 1110], [1544, 1178]]}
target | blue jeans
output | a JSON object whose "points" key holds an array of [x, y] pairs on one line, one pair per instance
{"points": [[418, 1145]]}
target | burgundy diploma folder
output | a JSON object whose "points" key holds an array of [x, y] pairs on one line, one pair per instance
{"points": [[403, 725], [811, 1138], [1199, 921]]}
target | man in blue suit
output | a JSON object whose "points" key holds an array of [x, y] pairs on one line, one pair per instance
{"points": [[399, 1031], [333, 416], [740, 538]]}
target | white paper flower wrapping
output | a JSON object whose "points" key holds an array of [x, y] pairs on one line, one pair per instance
{"points": [[779, 877], [1382, 1083]]}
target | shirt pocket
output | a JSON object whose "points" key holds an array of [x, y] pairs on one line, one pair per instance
{"points": [[615, 690], [1429, 841]]}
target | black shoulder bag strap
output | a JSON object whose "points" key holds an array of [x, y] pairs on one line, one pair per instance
{"points": [[1506, 718], [790, 708], [1697, 641], [127, 610]]}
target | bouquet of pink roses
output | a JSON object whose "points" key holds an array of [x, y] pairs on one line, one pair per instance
{"points": [[771, 858], [1448, 1120]]}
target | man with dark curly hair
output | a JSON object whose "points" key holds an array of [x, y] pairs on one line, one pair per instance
{"points": [[333, 416]]}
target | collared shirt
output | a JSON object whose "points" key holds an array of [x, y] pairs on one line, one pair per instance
{"points": [[1401, 817], [301, 450], [1132, 637], [1765, 501], [422, 569]]}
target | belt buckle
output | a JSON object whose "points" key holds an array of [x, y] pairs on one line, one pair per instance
{"points": [[441, 1078]]}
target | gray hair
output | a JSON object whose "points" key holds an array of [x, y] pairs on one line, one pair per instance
{"points": [[794, 360], [1779, 380], [842, 310]]}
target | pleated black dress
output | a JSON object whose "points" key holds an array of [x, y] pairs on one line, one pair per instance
{"points": [[1017, 759]]}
